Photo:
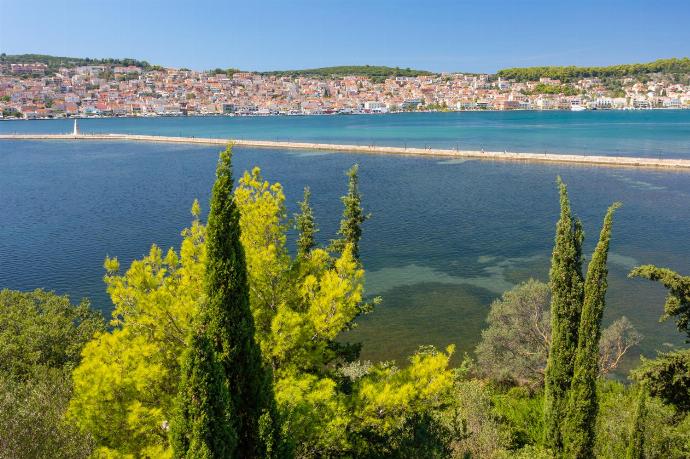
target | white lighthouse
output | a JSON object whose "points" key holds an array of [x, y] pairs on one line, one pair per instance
{"points": [[76, 129]]}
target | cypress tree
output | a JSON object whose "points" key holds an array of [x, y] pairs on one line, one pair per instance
{"points": [[635, 448], [350, 231], [305, 225], [201, 427], [231, 325], [566, 284], [579, 425]]}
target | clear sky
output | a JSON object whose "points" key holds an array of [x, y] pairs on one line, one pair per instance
{"points": [[472, 35]]}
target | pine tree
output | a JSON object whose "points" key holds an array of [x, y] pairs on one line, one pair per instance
{"points": [[350, 231], [635, 448], [231, 325], [580, 419], [305, 225], [566, 304], [201, 427]]}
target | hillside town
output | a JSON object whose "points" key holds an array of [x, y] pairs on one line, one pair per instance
{"points": [[32, 91]]}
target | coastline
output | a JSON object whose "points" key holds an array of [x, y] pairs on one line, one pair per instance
{"points": [[252, 115], [610, 161]]}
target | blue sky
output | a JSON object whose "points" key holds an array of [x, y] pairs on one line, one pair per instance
{"points": [[472, 35]]}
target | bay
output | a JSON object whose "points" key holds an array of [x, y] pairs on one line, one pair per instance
{"points": [[446, 237]]}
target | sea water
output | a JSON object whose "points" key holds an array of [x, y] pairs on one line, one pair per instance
{"points": [[445, 239]]}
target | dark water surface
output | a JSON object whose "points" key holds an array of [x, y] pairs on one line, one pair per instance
{"points": [[446, 237]]}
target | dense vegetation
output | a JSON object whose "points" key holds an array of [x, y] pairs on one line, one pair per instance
{"points": [[569, 73], [41, 338], [228, 72], [229, 348], [542, 88], [375, 72], [55, 62]]}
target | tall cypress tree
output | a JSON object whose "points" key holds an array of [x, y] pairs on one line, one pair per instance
{"points": [[230, 323], [201, 427], [350, 231], [566, 304], [579, 425], [635, 449], [305, 225]]}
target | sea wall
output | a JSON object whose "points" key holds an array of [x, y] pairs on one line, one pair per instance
{"points": [[614, 161]]}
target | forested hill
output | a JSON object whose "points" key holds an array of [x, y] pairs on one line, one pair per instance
{"points": [[371, 71], [375, 72], [55, 62], [380, 73], [568, 73]]}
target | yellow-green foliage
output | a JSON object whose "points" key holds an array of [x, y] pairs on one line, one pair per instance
{"points": [[316, 414], [263, 226], [298, 308], [125, 386], [388, 395], [333, 296], [126, 383], [119, 395]]}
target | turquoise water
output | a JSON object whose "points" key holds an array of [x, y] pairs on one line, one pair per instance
{"points": [[446, 237], [634, 133]]}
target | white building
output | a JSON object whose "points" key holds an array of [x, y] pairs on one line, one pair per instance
{"points": [[375, 106]]}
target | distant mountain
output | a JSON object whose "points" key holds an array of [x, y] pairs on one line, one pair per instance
{"points": [[55, 62], [669, 66]]}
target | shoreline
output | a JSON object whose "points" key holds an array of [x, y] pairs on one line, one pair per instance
{"points": [[611, 161], [281, 115]]}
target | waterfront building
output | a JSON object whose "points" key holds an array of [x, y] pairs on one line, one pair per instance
{"points": [[102, 90]]}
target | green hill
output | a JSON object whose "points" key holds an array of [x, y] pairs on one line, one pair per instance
{"points": [[379, 73], [375, 72], [674, 65], [55, 62]]}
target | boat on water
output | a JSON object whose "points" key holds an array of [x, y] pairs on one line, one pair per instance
{"points": [[576, 106]]}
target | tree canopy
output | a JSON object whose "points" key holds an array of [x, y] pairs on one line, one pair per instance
{"points": [[327, 399], [515, 343], [55, 62], [155, 383], [40, 328], [41, 338], [375, 72], [569, 73]]}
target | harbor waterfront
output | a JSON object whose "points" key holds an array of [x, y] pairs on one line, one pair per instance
{"points": [[448, 235]]}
